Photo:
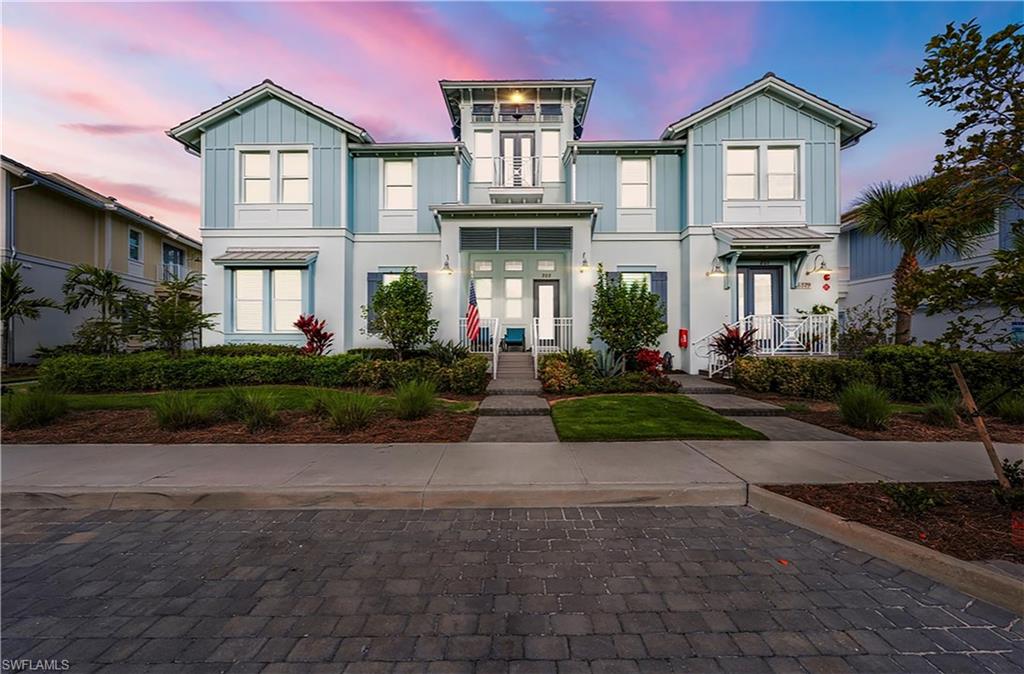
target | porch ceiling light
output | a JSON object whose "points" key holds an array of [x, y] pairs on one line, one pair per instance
{"points": [[818, 267], [716, 270], [584, 266], [516, 97], [447, 268]]}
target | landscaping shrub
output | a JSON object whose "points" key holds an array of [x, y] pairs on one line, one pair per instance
{"points": [[911, 499], [866, 406], [1014, 472], [913, 373], [348, 411], [318, 339], [154, 370], [447, 353], [37, 407], [557, 375], [467, 376], [384, 353], [818, 378], [942, 409], [247, 350], [607, 364], [648, 360], [415, 399], [176, 410], [257, 409], [1010, 408]]}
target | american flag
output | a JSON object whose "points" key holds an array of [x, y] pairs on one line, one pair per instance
{"points": [[472, 315]]}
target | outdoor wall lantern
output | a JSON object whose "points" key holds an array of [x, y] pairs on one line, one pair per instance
{"points": [[818, 267], [447, 268], [716, 270], [584, 266]]}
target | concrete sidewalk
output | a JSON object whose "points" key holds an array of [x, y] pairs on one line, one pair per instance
{"points": [[463, 474]]}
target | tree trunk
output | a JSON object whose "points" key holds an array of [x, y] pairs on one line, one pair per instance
{"points": [[902, 292]]}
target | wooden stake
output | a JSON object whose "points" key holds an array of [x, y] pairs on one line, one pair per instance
{"points": [[979, 423]]}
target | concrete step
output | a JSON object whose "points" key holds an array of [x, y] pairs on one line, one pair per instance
{"points": [[691, 383], [514, 386], [514, 406], [730, 405], [513, 429]]}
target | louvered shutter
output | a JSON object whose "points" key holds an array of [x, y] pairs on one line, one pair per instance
{"points": [[374, 279], [659, 286]]}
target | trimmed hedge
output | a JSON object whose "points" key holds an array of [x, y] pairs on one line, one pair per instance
{"points": [[248, 350], [157, 370], [908, 373], [819, 378], [468, 376], [914, 373]]}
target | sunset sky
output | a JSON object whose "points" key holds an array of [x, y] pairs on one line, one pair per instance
{"points": [[88, 89]]}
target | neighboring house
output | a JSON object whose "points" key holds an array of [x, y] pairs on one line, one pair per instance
{"points": [[52, 223], [724, 215], [869, 263]]}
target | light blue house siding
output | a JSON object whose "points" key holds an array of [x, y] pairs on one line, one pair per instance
{"points": [[1006, 219], [597, 182], [271, 122], [764, 117], [435, 184]]}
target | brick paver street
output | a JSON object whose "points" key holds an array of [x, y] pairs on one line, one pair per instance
{"points": [[548, 591]]}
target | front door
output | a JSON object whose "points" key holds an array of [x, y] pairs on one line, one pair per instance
{"points": [[546, 310], [760, 296], [517, 159]]}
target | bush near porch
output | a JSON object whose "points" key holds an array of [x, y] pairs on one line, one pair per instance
{"points": [[467, 375], [908, 373], [575, 373]]}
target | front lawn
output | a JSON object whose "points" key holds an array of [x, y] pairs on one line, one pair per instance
{"points": [[643, 417]]}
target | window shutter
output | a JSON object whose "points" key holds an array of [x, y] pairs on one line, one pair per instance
{"points": [[373, 282], [614, 276], [421, 276], [659, 286]]}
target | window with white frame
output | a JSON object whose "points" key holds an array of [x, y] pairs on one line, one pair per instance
{"points": [[483, 265], [389, 278], [781, 172], [256, 178], [551, 156], [545, 265], [249, 300], [636, 278], [287, 288], [398, 187], [635, 191], [513, 298], [483, 157], [134, 245], [741, 173], [293, 170], [513, 265], [484, 297]]}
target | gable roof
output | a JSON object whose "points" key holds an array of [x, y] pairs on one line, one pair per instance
{"points": [[85, 195], [852, 125], [188, 132]]}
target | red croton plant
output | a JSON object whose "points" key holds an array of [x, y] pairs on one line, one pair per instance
{"points": [[648, 360], [732, 343], [318, 340]]}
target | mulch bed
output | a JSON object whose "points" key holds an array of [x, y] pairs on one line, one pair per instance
{"points": [[970, 524], [901, 426], [138, 426]]}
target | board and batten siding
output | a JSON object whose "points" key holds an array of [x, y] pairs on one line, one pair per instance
{"points": [[597, 182], [764, 117], [271, 122], [435, 184]]}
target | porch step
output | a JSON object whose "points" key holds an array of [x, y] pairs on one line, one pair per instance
{"points": [[691, 383], [514, 385], [514, 406], [730, 405]]}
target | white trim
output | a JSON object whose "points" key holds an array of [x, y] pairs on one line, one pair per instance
{"points": [[839, 181], [690, 169]]}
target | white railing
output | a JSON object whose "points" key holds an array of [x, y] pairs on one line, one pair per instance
{"points": [[550, 335], [776, 335], [486, 341], [516, 171]]}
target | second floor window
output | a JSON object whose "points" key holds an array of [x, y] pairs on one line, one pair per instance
{"points": [[764, 171], [294, 174], [483, 157], [550, 147], [636, 183], [781, 172], [134, 245], [741, 173], [256, 177], [275, 176], [398, 192]]}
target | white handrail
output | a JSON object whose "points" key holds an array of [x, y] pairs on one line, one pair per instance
{"points": [[550, 335], [486, 342], [776, 335]]}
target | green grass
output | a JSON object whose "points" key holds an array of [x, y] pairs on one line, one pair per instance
{"points": [[284, 397], [643, 417]]}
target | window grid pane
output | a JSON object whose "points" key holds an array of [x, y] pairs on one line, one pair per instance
{"points": [[256, 164], [256, 191], [134, 245], [635, 196], [635, 192], [483, 166], [782, 169], [294, 164], [249, 300], [398, 197], [295, 191], [741, 173]]}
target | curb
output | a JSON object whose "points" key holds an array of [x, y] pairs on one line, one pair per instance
{"points": [[968, 577], [715, 494]]}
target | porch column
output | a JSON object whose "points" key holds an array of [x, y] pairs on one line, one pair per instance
{"points": [[581, 282]]}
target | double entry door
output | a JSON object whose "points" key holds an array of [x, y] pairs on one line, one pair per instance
{"points": [[517, 169]]}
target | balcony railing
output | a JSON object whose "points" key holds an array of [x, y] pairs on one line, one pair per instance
{"points": [[776, 335], [515, 172], [550, 335], [486, 342]]}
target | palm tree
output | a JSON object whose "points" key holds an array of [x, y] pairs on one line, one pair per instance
{"points": [[86, 286], [16, 301], [912, 216]]}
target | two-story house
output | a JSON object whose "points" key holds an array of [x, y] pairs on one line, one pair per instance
{"points": [[52, 223], [726, 215]]}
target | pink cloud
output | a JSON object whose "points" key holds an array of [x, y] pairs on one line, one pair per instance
{"points": [[112, 129], [140, 197]]}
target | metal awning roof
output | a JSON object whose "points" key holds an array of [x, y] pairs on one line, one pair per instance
{"points": [[299, 256], [765, 237]]}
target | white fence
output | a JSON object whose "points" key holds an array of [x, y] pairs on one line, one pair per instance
{"points": [[550, 335], [486, 341], [776, 335]]}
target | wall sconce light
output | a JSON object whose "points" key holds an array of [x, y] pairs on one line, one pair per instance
{"points": [[447, 268], [516, 97], [818, 267], [716, 270], [584, 266]]}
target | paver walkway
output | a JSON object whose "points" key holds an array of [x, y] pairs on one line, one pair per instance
{"points": [[514, 393], [574, 590]]}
